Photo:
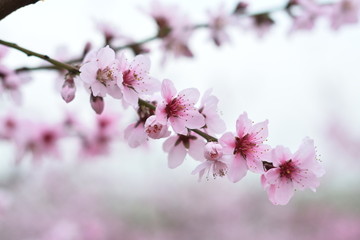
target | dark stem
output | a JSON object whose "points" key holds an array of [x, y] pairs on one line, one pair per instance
{"points": [[9, 6], [54, 62]]}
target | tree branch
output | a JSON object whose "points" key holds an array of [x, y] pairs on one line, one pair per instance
{"points": [[9, 6]]}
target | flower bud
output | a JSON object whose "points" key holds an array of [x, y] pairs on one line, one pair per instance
{"points": [[213, 151], [97, 103], [68, 89]]}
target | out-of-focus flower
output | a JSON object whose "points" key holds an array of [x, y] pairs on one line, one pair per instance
{"points": [[344, 12], [179, 109], [219, 20], [290, 172], [246, 148], [174, 28]]}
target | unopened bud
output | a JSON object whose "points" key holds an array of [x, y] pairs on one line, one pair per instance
{"points": [[97, 103], [213, 151], [68, 89]]}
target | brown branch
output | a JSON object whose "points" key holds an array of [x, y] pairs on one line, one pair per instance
{"points": [[9, 6]]}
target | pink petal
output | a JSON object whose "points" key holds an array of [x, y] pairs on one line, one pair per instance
{"points": [[243, 125], [255, 165], [272, 176], [88, 72], [190, 95], [178, 125], [238, 168], [306, 179], [259, 131], [196, 149], [215, 124], [176, 156], [130, 96], [168, 90], [305, 156], [280, 155], [201, 169], [194, 120], [160, 114], [227, 140], [169, 143], [135, 136], [283, 192], [115, 92], [105, 57], [141, 64]]}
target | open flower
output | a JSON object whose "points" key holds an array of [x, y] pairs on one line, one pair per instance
{"points": [[289, 172], [101, 73], [179, 109], [136, 81], [246, 148]]}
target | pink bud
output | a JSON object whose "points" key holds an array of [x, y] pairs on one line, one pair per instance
{"points": [[213, 151], [68, 89], [97, 103], [154, 129]]}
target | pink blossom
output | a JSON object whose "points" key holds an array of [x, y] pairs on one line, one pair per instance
{"points": [[219, 20], [180, 145], [136, 81], [101, 73], [214, 163], [179, 109], [208, 108], [246, 148], [345, 12], [38, 139], [290, 172], [154, 129], [98, 141]]}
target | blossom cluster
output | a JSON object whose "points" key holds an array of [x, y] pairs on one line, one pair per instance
{"points": [[189, 122], [175, 28], [190, 128], [40, 139]]}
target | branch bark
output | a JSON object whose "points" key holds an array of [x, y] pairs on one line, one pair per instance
{"points": [[9, 6]]}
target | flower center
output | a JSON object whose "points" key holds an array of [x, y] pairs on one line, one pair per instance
{"points": [[174, 108], [129, 78], [244, 145], [154, 129], [48, 138], [105, 76], [287, 169]]}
